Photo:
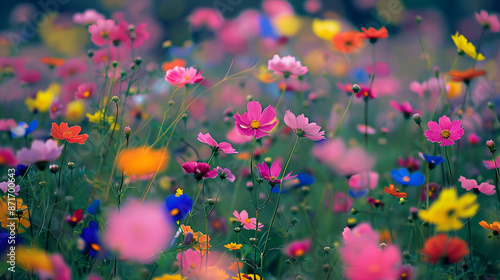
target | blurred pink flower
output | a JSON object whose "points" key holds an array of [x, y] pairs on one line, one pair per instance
{"points": [[7, 157], [418, 88], [360, 181], [255, 122], [446, 132], [85, 91], [128, 34], [362, 230], [341, 203], [29, 76], [71, 67], [381, 69], [222, 146], [56, 108], [102, 56], [89, 16], [139, 232], [490, 22], [245, 221], [203, 16], [7, 124], [490, 164], [366, 129], [4, 186], [286, 66], [235, 137], [302, 127], [471, 184], [312, 6], [276, 8], [474, 139], [39, 152], [100, 30], [61, 270], [297, 249], [404, 107], [180, 76]]}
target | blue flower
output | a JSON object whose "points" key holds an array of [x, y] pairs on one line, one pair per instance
{"points": [[402, 176], [21, 170], [94, 207], [356, 193], [432, 160], [266, 28], [178, 205], [22, 129], [91, 237], [302, 179], [6, 242]]}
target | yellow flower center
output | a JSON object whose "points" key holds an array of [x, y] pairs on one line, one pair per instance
{"points": [[104, 58], [445, 134], [95, 247], [67, 134], [404, 275], [406, 179], [193, 265], [86, 94], [247, 220], [272, 178], [299, 252], [174, 212], [187, 78], [255, 124], [104, 33]]}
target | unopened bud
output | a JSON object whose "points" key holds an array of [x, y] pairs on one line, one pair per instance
{"points": [[114, 64], [491, 105], [249, 98], [326, 267], [253, 241], [327, 250], [54, 168], [294, 209], [211, 201], [115, 99], [237, 229], [127, 131], [188, 238], [356, 88], [90, 53], [138, 60], [417, 118], [71, 165], [42, 184], [418, 18]]}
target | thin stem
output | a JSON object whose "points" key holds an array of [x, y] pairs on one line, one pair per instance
{"points": [[486, 257], [113, 128], [345, 197], [449, 165], [479, 46], [343, 116], [121, 184], [366, 123], [470, 245], [422, 47], [498, 175], [426, 179], [281, 96]]}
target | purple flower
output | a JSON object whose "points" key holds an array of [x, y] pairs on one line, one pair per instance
{"points": [[40, 153], [225, 173], [5, 185]]}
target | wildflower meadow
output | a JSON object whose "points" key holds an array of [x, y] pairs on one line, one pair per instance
{"points": [[231, 139]]}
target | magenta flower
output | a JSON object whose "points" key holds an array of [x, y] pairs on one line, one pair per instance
{"points": [[471, 184], [297, 249], [222, 146], [286, 66], [418, 88], [89, 16], [341, 203], [208, 17], [40, 153], [255, 122], [71, 67], [366, 129], [404, 107], [446, 132], [245, 221], [490, 164], [100, 30], [201, 170], [180, 76], [489, 22], [272, 175], [360, 180], [302, 127], [85, 91], [225, 173], [56, 108], [7, 157], [363, 230], [7, 124]]}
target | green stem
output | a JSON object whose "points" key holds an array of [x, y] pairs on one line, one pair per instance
{"points": [[449, 164], [343, 116], [426, 179], [281, 96], [498, 175]]}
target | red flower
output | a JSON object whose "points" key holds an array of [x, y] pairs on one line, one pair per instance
{"points": [[373, 34], [440, 247], [70, 134], [394, 192], [466, 76], [76, 218]]}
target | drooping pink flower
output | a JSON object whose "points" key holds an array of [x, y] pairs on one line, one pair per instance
{"points": [[245, 221], [404, 107], [204, 16], [71, 67], [341, 203], [100, 30], [286, 66], [7, 124], [471, 184], [297, 249], [180, 76], [255, 122], [39, 152], [222, 146], [446, 132], [302, 127], [7, 157], [89, 16], [138, 35], [360, 181], [120, 33], [490, 22], [85, 91], [490, 164], [139, 232], [200, 170], [272, 175]]}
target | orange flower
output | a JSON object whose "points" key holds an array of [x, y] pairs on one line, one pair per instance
{"points": [[235, 266], [495, 227], [167, 65], [440, 247], [394, 192], [348, 42], [373, 34], [70, 134], [52, 61], [466, 76], [142, 161]]}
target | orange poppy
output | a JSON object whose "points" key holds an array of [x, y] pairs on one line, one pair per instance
{"points": [[440, 247], [167, 65], [70, 134], [348, 42], [142, 161], [373, 34], [466, 76], [495, 227], [52, 61], [394, 192]]}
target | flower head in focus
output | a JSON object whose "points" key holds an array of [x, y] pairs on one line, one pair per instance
{"points": [[466, 47], [255, 122], [180, 76], [70, 134], [446, 132], [302, 127], [286, 66]]}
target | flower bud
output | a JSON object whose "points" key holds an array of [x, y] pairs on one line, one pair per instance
{"points": [[71, 165], [417, 118], [249, 98], [188, 238], [54, 168], [418, 18], [42, 184], [253, 241], [114, 64], [237, 229], [294, 209], [138, 60], [491, 146], [356, 88], [382, 245], [305, 190], [211, 201], [354, 211], [327, 250], [90, 53], [491, 105], [326, 267], [115, 99], [127, 131]]}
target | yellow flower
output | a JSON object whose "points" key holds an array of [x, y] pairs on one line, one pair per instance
{"points": [[464, 46], [247, 276], [33, 259], [74, 111], [455, 89], [170, 277], [266, 76], [448, 209], [42, 100], [98, 116], [233, 246], [178, 192], [287, 25], [325, 29], [20, 211]]}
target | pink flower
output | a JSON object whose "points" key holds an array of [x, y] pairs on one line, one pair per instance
{"points": [[222, 146], [474, 139], [272, 175], [39, 152], [255, 122], [235, 137], [245, 221], [471, 184], [71, 67], [56, 108], [489, 22], [362, 230], [302, 127], [200, 170], [446, 132], [85, 91], [418, 88], [139, 232], [7, 124], [341, 203], [286, 66], [404, 108], [100, 30], [297, 249], [61, 271], [365, 92], [225, 173], [120, 33], [203, 16], [4, 186], [29, 76], [490, 164], [89, 16], [137, 36], [360, 181], [180, 76], [366, 129], [7, 157], [102, 56]]}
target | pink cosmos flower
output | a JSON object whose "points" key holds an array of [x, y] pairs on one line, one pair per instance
{"points": [[286, 66], [490, 164], [446, 132], [235, 137], [366, 129], [7, 157], [225, 173], [222, 146], [71, 67], [200, 170], [61, 270], [302, 127], [56, 108], [139, 232], [85, 91], [180, 76], [209, 17], [297, 249], [362, 230], [100, 30], [120, 33], [404, 107], [4, 186], [102, 56], [489, 22], [39, 152], [474, 139], [418, 88], [471, 184], [7, 124], [255, 122], [272, 175], [29, 76], [341, 203], [365, 92], [245, 221], [360, 181], [89, 16]]}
